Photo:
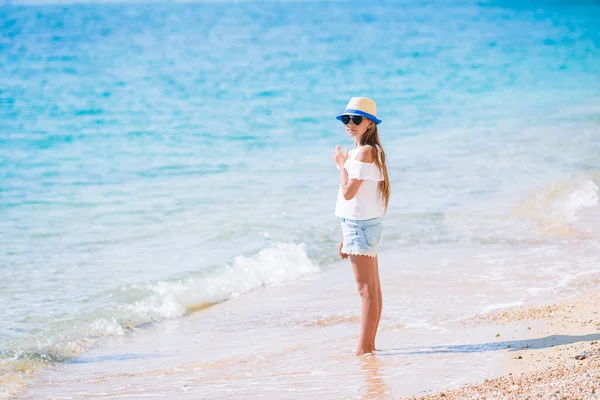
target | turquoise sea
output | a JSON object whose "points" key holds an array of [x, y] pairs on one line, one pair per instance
{"points": [[156, 158]]}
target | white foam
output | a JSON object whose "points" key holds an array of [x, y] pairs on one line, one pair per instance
{"points": [[560, 204], [157, 307], [271, 266], [105, 326], [585, 195]]}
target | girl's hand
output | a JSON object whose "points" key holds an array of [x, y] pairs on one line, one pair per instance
{"points": [[342, 255], [339, 157]]}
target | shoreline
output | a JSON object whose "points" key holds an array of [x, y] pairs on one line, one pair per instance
{"points": [[299, 337], [561, 360]]}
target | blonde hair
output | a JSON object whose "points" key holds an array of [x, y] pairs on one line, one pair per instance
{"points": [[371, 138]]}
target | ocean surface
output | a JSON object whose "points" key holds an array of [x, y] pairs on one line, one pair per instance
{"points": [[157, 158]]}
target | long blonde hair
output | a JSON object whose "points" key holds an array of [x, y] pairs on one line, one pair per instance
{"points": [[371, 138]]}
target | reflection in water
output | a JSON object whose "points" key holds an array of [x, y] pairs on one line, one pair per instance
{"points": [[374, 378]]}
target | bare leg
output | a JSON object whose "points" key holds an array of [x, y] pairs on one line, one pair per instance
{"points": [[379, 302], [365, 272]]}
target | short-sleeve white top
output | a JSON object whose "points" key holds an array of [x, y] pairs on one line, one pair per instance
{"points": [[368, 202]]}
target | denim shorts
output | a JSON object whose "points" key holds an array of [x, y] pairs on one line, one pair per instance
{"points": [[361, 237]]}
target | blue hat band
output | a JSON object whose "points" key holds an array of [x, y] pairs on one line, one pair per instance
{"points": [[358, 112]]}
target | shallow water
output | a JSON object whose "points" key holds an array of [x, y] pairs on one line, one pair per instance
{"points": [[297, 339], [157, 158]]}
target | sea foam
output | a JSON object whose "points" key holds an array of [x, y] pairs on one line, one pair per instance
{"points": [[170, 299], [143, 303], [561, 203]]}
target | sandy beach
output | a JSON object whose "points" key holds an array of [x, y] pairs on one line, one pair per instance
{"points": [[561, 360]]}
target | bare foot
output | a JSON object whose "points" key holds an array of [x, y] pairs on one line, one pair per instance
{"points": [[363, 352]]}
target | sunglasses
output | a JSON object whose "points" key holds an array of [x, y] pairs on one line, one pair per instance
{"points": [[357, 119]]}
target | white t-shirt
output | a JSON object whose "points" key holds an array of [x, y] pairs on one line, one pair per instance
{"points": [[368, 202]]}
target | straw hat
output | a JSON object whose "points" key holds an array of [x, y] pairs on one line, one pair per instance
{"points": [[361, 106]]}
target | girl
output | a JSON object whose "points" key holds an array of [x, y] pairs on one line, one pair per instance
{"points": [[362, 199]]}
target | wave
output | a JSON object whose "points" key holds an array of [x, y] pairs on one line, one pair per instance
{"points": [[143, 303], [560, 204], [169, 299]]}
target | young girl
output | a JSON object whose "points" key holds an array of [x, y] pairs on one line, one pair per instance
{"points": [[362, 199]]}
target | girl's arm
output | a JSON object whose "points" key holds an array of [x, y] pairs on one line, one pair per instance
{"points": [[350, 186]]}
